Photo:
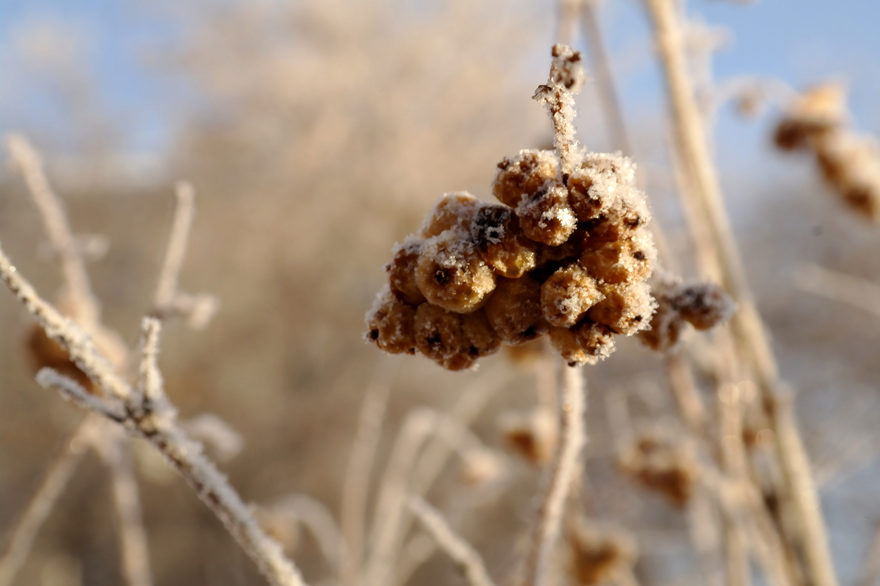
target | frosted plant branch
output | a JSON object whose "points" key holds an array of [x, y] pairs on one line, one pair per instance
{"points": [[358, 473], [572, 434], [461, 552], [389, 523], [168, 300], [71, 390], [160, 428], [114, 448], [314, 516], [700, 175], [84, 306], [21, 536], [557, 95]]}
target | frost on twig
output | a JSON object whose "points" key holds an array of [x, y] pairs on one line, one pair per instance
{"points": [[145, 412], [561, 476], [83, 305], [168, 301], [461, 552], [566, 79]]}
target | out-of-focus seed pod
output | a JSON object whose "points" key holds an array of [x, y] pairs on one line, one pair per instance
{"points": [[662, 463], [532, 435], [390, 324], [496, 233], [524, 174], [545, 216], [451, 273], [402, 271], [567, 294], [703, 305], [453, 211], [514, 310], [598, 553], [478, 334]]}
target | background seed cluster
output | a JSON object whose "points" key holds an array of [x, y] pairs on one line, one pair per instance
{"points": [[562, 254]]}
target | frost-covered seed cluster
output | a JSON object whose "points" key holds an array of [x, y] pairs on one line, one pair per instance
{"points": [[849, 162], [568, 259], [566, 252]]}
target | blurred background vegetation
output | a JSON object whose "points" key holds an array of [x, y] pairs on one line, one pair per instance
{"points": [[316, 134]]}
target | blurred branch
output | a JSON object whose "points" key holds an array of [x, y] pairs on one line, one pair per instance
{"points": [[857, 292]]}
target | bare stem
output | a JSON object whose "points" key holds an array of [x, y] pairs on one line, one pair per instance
{"points": [[691, 143], [572, 437], [21, 536], [161, 429], [84, 307], [460, 551]]}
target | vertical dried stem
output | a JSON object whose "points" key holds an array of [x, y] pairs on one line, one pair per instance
{"points": [[359, 471], [132, 537], [21, 536], [691, 144], [572, 437], [462, 553], [166, 288], [84, 307]]}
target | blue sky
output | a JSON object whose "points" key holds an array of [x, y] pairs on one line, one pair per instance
{"points": [[799, 42]]}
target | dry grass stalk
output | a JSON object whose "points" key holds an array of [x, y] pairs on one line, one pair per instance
{"points": [[855, 291], [561, 475], [358, 473], [691, 144], [460, 551], [21, 536]]}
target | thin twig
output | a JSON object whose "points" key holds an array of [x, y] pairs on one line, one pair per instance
{"points": [[691, 143], [857, 292], [166, 288], [160, 428], [84, 307], [572, 437], [358, 473], [21, 536], [133, 539], [460, 551]]}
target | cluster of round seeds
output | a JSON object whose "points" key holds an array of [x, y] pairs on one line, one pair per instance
{"points": [[565, 252], [703, 305], [849, 163], [567, 256]]}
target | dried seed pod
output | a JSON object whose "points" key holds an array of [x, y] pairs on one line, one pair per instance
{"points": [[585, 343], [567, 294], [453, 211], [402, 271], [545, 216], [438, 336], [478, 334], [514, 310], [703, 305], [495, 231], [524, 174], [44, 352], [626, 307], [850, 165], [532, 435], [665, 328], [662, 463], [390, 324], [814, 114], [450, 272], [598, 552], [598, 183], [630, 258]]}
